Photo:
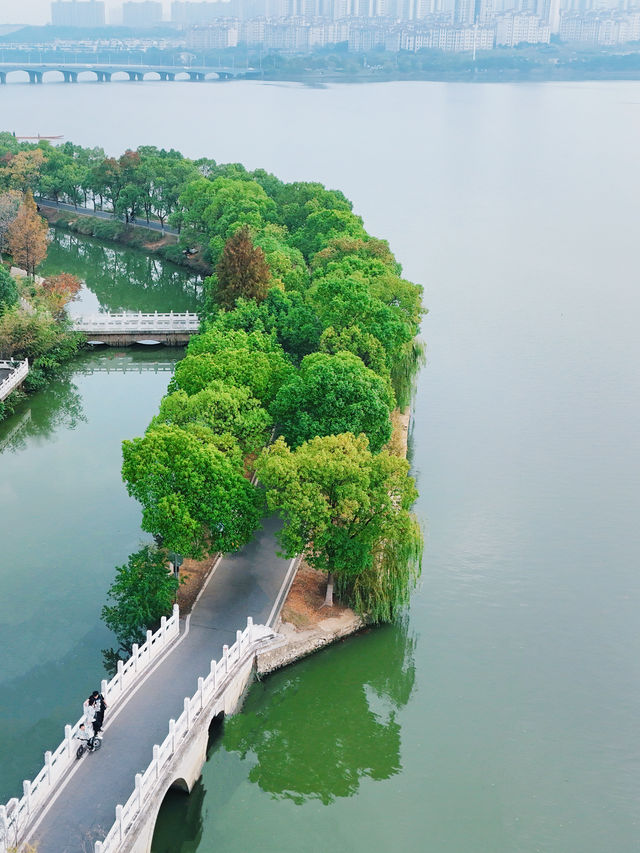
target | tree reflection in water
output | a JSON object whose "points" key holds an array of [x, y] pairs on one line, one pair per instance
{"points": [[62, 408], [122, 279], [317, 729]]}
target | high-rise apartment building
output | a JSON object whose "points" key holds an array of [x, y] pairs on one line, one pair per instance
{"points": [[77, 13], [141, 13], [464, 11]]}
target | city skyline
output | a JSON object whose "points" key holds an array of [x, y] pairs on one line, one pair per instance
{"points": [[38, 12]]}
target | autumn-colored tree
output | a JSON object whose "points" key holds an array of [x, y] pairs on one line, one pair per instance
{"points": [[242, 270], [61, 289], [24, 169], [27, 236]]}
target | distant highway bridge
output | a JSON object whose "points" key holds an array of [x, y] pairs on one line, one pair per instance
{"points": [[104, 72]]}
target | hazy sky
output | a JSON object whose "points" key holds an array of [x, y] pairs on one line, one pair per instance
{"points": [[39, 11]]}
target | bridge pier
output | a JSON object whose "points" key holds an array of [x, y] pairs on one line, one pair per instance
{"points": [[70, 76], [35, 76], [3, 77], [196, 76], [103, 76]]}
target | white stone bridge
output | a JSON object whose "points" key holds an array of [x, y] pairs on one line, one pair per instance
{"points": [[68, 72], [138, 328], [160, 706], [12, 375]]}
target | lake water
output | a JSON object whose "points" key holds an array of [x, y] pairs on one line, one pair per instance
{"points": [[503, 715]]}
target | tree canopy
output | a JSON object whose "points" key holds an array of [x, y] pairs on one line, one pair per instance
{"points": [[191, 493], [142, 593], [27, 236], [340, 502], [242, 270], [333, 394], [222, 408], [263, 372]]}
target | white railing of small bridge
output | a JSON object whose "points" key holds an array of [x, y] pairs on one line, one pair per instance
{"points": [[213, 686], [131, 322], [17, 814], [129, 367], [19, 371]]}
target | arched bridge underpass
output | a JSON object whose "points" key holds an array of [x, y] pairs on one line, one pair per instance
{"points": [[103, 73], [160, 705]]}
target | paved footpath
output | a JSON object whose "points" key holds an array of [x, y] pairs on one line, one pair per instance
{"points": [[248, 583]]}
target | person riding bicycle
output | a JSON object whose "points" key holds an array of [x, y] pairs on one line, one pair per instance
{"points": [[83, 735]]}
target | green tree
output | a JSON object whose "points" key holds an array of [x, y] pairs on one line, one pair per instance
{"points": [[355, 340], [223, 409], [242, 270], [286, 264], [143, 591], [287, 315], [255, 361], [340, 502], [333, 394], [191, 493], [297, 201], [343, 301], [323, 226], [8, 290], [214, 210]]}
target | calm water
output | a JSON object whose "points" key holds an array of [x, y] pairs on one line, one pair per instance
{"points": [[117, 280], [66, 519], [503, 716]]}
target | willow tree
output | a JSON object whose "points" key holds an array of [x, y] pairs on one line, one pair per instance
{"points": [[341, 503], [27, 236]]}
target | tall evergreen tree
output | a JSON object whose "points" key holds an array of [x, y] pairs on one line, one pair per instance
{"points": [[242, 270]]}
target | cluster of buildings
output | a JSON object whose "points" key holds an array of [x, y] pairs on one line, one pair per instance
{"points": [[301, 25]]}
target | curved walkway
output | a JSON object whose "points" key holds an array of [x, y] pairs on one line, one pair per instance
{"points": [[251, 582]]}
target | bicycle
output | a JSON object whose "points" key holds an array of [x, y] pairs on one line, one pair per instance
{"points": [[91, 744]]}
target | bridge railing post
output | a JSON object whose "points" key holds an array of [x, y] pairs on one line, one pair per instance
{"points": [[103, 686], [163, 630], [149, 636], [26, 787], [121, 675], [187, 710], [214, 672], [98, 847], [156, 759], [225, 656], [47, 764], [69, 739], [120, 823], [172, 732], [239, 643], [201, 691], [250, 629], [134, 655], [139, 790]]}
